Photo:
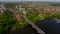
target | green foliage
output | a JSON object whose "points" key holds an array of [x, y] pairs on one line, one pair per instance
{"points": [[55, 4], [36, 18], [56, 15], [33, 16], [8, 13], [21, 24], [6, 22], [10, 4]]}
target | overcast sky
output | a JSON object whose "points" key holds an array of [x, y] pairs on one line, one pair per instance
{"points": [[33, 0]]}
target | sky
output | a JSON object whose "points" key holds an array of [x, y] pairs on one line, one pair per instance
{"points": [[34, 0]]}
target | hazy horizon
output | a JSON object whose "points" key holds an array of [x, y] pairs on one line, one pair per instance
{"points": [[31, 0]]}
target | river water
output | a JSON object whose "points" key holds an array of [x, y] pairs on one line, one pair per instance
{"points": [[49, 26]]}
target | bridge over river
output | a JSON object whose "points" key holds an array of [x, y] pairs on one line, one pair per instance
{"points": [[33, 25], [22, 13]]}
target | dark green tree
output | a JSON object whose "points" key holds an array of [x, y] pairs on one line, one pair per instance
{"points": [[6, 22]]}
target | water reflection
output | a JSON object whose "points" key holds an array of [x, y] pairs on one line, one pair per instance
{"points": [[50, 26]]}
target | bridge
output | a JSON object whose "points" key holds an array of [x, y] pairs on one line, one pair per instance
{"points": [[22, 13], [33, 25]]}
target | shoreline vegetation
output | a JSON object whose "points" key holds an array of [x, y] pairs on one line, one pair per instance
{"points": [[10, 18]]}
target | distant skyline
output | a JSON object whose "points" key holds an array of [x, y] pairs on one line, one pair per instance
{"points": [[33, 0]]}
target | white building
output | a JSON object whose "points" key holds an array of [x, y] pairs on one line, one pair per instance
{"points": [[2, 7]]}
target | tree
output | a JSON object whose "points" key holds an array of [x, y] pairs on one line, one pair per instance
{"points": [[10, 4], [6, 22]]}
